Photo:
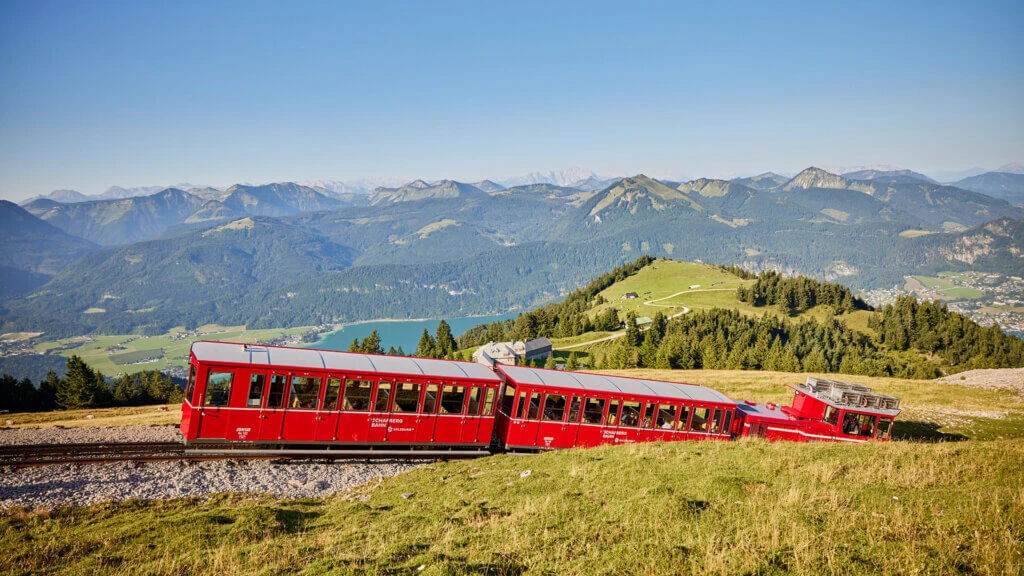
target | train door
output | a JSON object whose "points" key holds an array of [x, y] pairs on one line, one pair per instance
{"points": [[427, 420], [327, 416], [245, 422], [404, 416], [378, 430], [451, 414], [471, 429], [665, 422], [300, 415], [523, 429], [699, 423], [590, 431], [272, 414], [487, 418], [629, 422], [646, 432], [552, 429], [715, 429], [216, 396], [683, 422], [354, 417]]}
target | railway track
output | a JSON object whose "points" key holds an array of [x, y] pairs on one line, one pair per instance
{"points": [[105, 452]]}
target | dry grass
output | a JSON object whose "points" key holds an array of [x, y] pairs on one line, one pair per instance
{"points": [[132, 416]]}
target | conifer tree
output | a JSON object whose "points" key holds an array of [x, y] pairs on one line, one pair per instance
{"points": [[573, 362], [551, 362], [427, 347], [445, 341]]}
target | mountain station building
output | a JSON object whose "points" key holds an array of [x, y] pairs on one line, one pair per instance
{"points": [[512, 353]]}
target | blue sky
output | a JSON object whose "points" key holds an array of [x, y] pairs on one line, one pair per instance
{"points": [[94, 94]]}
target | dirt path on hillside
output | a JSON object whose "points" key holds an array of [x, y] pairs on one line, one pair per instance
{"points": [[685, 310]]}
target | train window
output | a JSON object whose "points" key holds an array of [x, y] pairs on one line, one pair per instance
{"points": [[666, 417], [684, 417], [430, 399], [383, 397], [727, 425], [716, 423], [630, 414], [475, 394], [649, 416], [593, 411], [407, 397], [452, 399], [357, 395], [218, 388], [191, 383], [574, 409], [304, 393], [489, 402], [508, 399], [256, 384], [884, 426], [831, 415], [275, 398], [534, 406], [699, 423], [613, 413], [554, 408], [858, 424], [521, 411], [331, 394]]}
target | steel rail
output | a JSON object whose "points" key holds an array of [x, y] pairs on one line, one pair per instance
{"points": [[106, 452]]}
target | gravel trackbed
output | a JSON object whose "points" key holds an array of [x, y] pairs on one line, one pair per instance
{"points": [[83, 484]]}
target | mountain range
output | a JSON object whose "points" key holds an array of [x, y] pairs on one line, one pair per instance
{"points": [[289, 254]]}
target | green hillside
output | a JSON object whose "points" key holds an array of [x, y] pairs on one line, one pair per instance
{"points": [[681, 508], [695, 316]]}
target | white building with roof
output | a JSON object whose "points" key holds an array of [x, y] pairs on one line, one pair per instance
{"points": [[511, 353]]}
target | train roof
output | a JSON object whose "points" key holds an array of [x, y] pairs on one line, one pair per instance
{"points": [[602, 383], [252, 354]]}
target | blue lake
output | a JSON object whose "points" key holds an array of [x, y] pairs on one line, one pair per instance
{"points": [[404, 333]]}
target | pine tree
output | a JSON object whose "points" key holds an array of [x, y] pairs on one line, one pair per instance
{"points": [[427, 347], [632, 331], [371, 344], [551, 363], [82, 387], [572, 363], [445, 341]]}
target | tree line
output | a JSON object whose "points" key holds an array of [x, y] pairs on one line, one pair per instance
{"points": [[799, 294], [83, 387], [932, 328], [561, 319]]}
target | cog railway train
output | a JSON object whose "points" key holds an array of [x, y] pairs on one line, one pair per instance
{"points": [[300, 398]]}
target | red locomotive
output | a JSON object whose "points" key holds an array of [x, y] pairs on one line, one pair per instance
{"points": [[300, 397]]}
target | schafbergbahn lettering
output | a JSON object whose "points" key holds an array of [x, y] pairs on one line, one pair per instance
{"points": [[278, 396]]}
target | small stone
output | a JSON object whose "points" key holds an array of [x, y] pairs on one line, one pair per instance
{"points": [[408, 495], [525, 473]]}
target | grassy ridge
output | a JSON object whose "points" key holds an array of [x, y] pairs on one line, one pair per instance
{"points": [[692, 507]]}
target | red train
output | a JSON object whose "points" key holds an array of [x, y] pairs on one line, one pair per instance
{"points": [[272, 396]]}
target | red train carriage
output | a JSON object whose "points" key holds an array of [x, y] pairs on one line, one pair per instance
{"points": [[823, 410], [543, 409], [276, 396]]}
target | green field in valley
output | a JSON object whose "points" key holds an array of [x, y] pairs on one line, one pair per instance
{"points": [[946, 287], [130, 353]]}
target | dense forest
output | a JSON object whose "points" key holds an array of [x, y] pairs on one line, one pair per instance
{"points": [[83, 387], [799, 294]]}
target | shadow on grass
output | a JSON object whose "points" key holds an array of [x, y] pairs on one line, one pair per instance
{"points": [[923, 432]]}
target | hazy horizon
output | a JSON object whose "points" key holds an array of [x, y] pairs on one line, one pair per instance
{"points": [[147, 95]]}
